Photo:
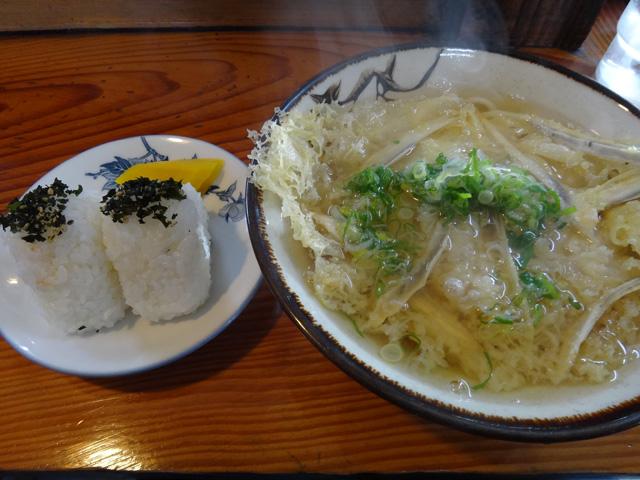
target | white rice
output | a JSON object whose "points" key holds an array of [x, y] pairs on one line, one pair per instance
{"points": [[74, 282], [165, 272]]}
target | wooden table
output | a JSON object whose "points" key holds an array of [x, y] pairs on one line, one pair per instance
{"points": [[259, 397]]}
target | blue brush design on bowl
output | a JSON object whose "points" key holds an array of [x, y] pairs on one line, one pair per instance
{"points": [[385, 84], [233, 210]]}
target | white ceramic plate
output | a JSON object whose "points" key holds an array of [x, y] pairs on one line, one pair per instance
{"points": [[134, 345], [540, 414]]}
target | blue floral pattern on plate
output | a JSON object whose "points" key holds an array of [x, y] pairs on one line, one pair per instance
{"points": [[233, 210]]}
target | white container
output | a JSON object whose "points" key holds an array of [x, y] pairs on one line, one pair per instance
{"points": [[619, 69]]}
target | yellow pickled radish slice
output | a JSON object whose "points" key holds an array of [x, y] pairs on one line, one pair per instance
{"points": [[199, 172]]}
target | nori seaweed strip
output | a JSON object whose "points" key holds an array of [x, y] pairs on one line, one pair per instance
{"points": [[39, 210], [142, 197]]}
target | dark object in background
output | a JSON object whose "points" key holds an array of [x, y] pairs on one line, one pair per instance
{"points": [[517, 23], [496, 23], [549, 23]]}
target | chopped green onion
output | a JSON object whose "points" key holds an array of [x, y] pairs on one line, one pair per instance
{"points": [[485, 197], [413, 339], [418, 171], [391, 352], [376, 222], [537, 312], [355, 325], [574, 303], [486, 380], [500, 320]]}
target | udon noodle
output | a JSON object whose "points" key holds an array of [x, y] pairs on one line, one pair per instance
{"points": [[532, 281]]}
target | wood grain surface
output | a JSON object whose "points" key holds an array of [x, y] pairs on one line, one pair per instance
{"points": [[259, 397]]}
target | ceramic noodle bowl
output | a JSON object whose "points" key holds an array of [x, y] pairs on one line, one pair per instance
{"points": [[532, 414]]}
